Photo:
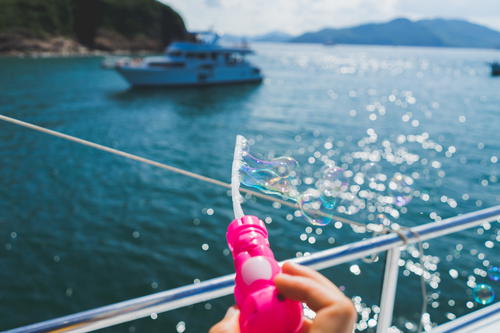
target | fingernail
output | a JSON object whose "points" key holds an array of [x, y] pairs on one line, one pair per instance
{"points": [[292, 264]]}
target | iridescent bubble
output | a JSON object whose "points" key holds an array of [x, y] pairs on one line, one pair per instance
{"points": [[372, 171], [315, 208], [283, 166], [400, 188], [332, 185], [494, 273], [483, 294], [277, 176], [268, 181]]}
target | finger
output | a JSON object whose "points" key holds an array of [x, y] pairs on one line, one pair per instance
{"points": [[307, 290], [339, 317], [306, 326], [232, 313], [228, 324], [292, 268]]}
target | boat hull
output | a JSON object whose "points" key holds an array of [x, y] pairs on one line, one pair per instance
{"points": [[144, 77]]}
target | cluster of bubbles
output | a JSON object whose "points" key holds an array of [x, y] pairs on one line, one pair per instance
{"points": [[280, 176], [277, 176], [376, 178], [376, 181], [333, 189]]}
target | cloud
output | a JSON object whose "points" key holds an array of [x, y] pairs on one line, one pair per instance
{"points": [[253, 17]]}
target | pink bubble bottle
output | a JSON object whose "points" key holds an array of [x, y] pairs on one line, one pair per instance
{"points": [[262, 308]]}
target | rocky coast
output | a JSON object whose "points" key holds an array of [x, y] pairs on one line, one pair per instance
{"points": [[86, 27]]}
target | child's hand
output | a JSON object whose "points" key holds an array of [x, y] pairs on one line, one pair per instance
{"points": [[228, 324], [334, 311]]}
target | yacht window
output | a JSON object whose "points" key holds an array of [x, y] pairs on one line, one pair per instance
{"points": [[175, 53], [207, 66], [190, 55], [202, 56], [214, 55]]}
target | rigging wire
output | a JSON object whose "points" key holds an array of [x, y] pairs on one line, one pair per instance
{"points": [[164, 166], [187, 173]]}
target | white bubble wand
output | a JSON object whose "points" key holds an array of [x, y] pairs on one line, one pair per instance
{"points": [[235, 176]]}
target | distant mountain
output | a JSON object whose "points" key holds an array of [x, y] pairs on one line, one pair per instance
{"points": [[460, 33], [232, 39], [274, 36], [401, 31]]}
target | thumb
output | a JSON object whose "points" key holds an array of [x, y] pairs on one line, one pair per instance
{"points": [[228, 324]]}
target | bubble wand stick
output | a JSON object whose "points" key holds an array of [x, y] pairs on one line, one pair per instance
{"points": [[262, 308]]}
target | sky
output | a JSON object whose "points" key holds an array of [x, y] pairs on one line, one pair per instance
{"points": [[255, 17]]}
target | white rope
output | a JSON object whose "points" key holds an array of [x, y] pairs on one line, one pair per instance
{"points": [[187, 173], [162, 165]]}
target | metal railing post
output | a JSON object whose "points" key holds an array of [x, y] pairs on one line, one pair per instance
{"points": [[389, 290]]}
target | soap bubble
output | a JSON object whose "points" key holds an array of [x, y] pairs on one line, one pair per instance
{"points": [[277, 176], [314, 206], [283, 166], [340, 187], [333, 185], [494, 273], [483, 294], [372, 172], [268, 181], [400, 188]]}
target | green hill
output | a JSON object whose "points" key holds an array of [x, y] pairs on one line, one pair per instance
{"points": [[129, 25]]}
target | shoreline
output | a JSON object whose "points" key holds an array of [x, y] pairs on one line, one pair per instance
{"points": [[13, 45], [90, 53]]}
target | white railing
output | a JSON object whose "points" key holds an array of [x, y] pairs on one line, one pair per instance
{"points": [[179, 297]]}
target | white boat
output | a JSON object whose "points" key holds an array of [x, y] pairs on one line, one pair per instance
{"points": [[201, 61]]}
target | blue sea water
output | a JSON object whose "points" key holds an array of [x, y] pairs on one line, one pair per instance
{"points": [[81, 228]]}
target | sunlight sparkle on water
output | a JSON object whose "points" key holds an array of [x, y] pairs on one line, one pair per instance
{"points": [[358, 184], [400, 189]]}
